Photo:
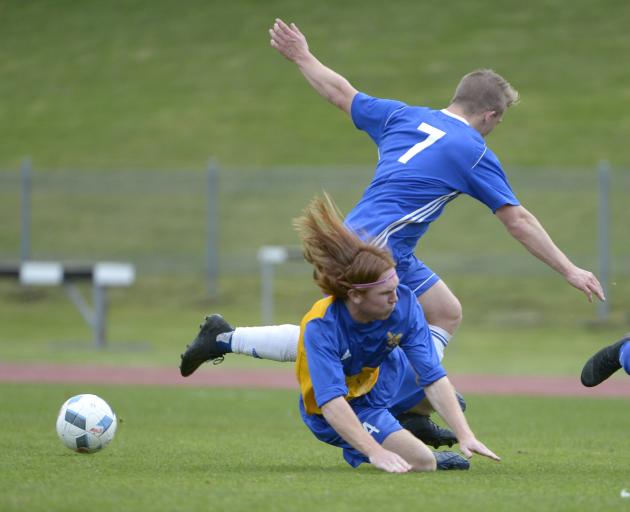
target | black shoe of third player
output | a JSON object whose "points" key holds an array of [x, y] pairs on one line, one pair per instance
{"points": [[204, 346], [450, 460], [603, 364], [426, 430]]}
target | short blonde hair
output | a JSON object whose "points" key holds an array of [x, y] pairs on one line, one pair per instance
{"points": [[484, 90], [339, 257]]}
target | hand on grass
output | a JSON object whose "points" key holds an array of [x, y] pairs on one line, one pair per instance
{"points": [[390, 462], [472, 445]]}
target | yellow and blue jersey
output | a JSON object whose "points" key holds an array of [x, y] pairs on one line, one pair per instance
{"points": [[426, 158], [338, 356]]}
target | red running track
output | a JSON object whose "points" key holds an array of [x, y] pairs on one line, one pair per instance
{"points": [[280, 378]]}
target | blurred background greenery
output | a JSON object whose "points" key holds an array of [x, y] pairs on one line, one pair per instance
{"points": [[121, 104]]}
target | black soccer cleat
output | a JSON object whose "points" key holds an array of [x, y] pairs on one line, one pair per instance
{"points": [[450, 460], [603, 364], [426, 430], [204, 346]]}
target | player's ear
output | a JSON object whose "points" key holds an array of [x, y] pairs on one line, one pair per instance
{"points": [[490, 115], [355, 296]]}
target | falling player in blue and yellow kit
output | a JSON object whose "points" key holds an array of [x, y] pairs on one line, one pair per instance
{"points": [[365, 354]]}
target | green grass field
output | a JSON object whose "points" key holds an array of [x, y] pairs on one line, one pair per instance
{"points": [[216, 449], [121, 104]]}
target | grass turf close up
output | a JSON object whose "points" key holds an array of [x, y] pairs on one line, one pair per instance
{"points": [[210, 449]]}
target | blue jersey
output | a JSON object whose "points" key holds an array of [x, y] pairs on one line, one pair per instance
{"points": [[426, 158], [338, 356]]}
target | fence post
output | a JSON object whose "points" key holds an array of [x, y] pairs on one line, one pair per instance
{"points": [[266, 292], [603, 236], [268, 257], [99, 301], [213, 230], [25, 209]]}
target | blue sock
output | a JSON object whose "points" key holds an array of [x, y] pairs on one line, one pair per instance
{"points": [[224, 342], [624, 356]]}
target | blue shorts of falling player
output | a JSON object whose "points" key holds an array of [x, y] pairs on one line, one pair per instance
{"points": [[396, 391]]}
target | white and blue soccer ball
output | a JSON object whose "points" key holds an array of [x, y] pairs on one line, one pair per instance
{"points": [[86, 423]]}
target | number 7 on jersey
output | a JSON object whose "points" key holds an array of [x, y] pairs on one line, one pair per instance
{"points": [[434, 134]]}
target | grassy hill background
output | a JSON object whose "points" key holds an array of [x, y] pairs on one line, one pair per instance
{"points": [[166, 84]]}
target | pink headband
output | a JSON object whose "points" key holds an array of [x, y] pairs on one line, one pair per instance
{"points": [[388, 277]]}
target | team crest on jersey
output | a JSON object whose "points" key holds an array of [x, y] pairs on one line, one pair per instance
{"points": [[393, 340]]}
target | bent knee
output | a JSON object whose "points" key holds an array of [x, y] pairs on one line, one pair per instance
{"points": [[441, 307], [456, 314], [452, 311], [447, 316], [425, 466]]}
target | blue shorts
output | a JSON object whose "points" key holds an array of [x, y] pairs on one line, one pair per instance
{"points": [[396, 391], [414, 274]]}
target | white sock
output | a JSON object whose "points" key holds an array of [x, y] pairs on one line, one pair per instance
{"points": [[275, 342], [440, 338]]}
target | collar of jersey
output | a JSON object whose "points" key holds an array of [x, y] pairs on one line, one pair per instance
{"points": [[455, 116]]}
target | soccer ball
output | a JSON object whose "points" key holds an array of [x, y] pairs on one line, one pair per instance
{"points": [[86, 423]]}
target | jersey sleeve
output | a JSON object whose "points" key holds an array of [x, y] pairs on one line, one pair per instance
{"points": [[419, 348], [488, 183], [371, 114], [324, 364]]}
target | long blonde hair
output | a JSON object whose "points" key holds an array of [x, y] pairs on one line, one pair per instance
{"points": [[340, 258]]}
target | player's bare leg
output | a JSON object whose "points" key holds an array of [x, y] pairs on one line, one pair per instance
{"points": [[441, 307], [418, 455]]}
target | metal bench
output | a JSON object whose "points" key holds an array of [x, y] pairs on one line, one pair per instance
{"points": [[103, 275]]}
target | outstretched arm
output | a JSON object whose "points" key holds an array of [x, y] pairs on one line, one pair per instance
{"points": [[342, 418], [442, 397], [291, 43], [523, 226]]}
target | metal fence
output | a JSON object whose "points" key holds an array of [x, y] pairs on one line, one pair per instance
{"points": [[213, 221]]}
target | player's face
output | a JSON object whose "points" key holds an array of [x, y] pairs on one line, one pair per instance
{"points": [[378, 303]]}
